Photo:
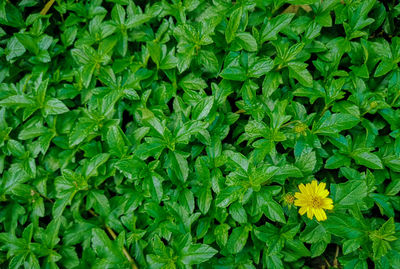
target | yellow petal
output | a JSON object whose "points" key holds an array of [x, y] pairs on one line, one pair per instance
{"points": [[324, 193], [321, 188], [314, 185], [302, 210], [318, 214], [327, 203], [299, 195], [297, 203], [310, 213], [323, 215], [303, 188], [308, 188], [300, 203]]}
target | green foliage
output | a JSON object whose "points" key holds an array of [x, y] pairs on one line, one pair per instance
{"points": [[170, 134]]}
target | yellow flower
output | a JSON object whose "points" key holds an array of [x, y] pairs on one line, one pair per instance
{"points": [[288, 198], [373, 104], [300, 128], [312, 199]]}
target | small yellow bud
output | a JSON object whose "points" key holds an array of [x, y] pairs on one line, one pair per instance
{"points": [[300, 128], [289, 198]]}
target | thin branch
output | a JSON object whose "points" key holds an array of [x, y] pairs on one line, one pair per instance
{"points": [[114, 236], [395, 99], [288, 123], [326, 107], [109, 230], [335, 260], [33, 192], [47, 7], [327, 263]]}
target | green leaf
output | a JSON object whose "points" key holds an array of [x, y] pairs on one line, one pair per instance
{"points": [[118, 14], [94, 163], [115, 141], [274, 211], [247, 41], [237, 240], [221, 234], [54, 106], [80, 132], [260, 67], [205, 199], [233, 25], [275, 25], [209, 61], [294, 250], [69, 35], [50, 236], [32, 132], [274, 261], [17, 101], [106, 250], [238, 213], [77, 233], [313, 233], [364, 157], [337, 161], [234, 73], [192, 82], [299, 71], [203, 108], [306, 162], [332, 124], [381, 238], [384, 67], [137, 20], [349, 193], [179, 165], [227, 196], [196, 254], [14, 49], [271, 83], [351, 245], [394, 187], [344, 226], [28, 42], [99, 202]]}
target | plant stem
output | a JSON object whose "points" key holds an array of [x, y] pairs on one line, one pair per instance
{"points": [[395, 99], [324, 110], [47, 7], [327, 263], [335, 260], [109, 230], [114, 236], [288, 123]]}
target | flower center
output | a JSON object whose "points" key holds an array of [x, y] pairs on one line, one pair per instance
{"points": [[316, 202]]}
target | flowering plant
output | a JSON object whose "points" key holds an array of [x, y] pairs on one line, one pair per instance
{"points": [[199, 134]]}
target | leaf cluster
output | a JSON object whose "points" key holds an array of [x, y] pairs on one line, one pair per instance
{"points": [[170, 134]]}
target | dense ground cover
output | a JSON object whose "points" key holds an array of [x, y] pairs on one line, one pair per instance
{"points": [[193, 133]]}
